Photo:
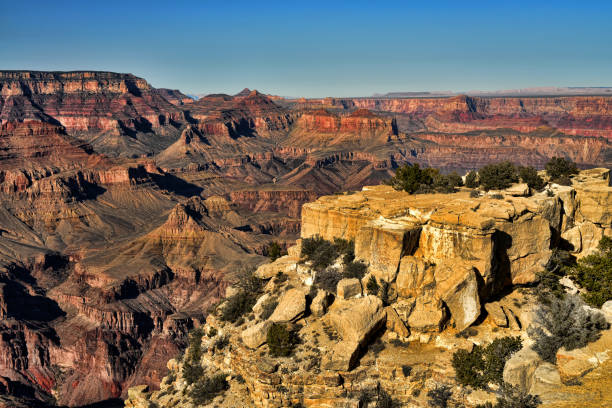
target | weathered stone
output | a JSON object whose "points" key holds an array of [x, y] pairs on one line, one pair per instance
{"points": [[497, 314], [349, 288], [283, 264], [320, 303], [291, 306], [519, 369], [545, 377], [590, 235], [395, 324], [428, 315], [342, 357], [295, 251], [574, 238], [527, 244], [518, 190], [381, 243], [457, 286], [256, 335], [514, 322], [266, 365], [259, 305], [415, 277], [137, 392], [356, 319]]}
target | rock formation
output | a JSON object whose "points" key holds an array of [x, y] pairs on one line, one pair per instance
{"points": [[453, 263]]}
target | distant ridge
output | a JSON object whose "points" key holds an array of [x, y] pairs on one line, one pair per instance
{"points": [[536, 91]]}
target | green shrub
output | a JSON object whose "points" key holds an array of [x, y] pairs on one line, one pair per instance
{"points": [[320, 252], [384, 400], [345, 248], [559, 167], [594, 273], [275, 251], [439, 396], [205, 389], [281, 341], [355, 269], [328, 279], [530, 176], [212, 332], [194, 352], [548, 280], [565, 323], [484, 365], [498, 176], [413, 179], [383, 292], [238, 305], [192, 371], [474, 193], [406, 370], [512, 397], [268, 308], [372, 286], [471, 179]]}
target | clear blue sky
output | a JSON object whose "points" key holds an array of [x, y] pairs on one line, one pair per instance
{"points": [[312, 48]]}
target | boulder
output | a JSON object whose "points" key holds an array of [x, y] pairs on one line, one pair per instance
{"points": [[518, 190], [497, 314], [574, 238], [395, 324], [457, 286], [255, 336], [428, 315], [576, 363], [320, 303], [349, 288], [545, 378], [295, 251], [283, 264], [291, 306], [342, 357], [356, 319], [258, 307], [520, 368], [606, 309], [415, 277]]}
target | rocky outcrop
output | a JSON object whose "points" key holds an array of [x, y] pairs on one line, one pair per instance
{"points": [[453, 252]]}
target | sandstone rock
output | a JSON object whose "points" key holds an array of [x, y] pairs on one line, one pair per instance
{"points": [[545, 378], [518, 190], [266, 365], [356, 319], [295, 251], [606, 308], [256, 335], [520, 368], [457, 286], [382, 243], [415, 277], [481, 397], [342, 357], [497, 314], [404, 308], [575, 363], [283, 264], [137, 392], [320, 303], [514, 322], [259, 305], [590, 235], [428, 315], [395, 324], [574, 238], [349, 288], [291, 306]]}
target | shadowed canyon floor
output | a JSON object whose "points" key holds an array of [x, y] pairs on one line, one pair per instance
{"points": [[127, 209]]}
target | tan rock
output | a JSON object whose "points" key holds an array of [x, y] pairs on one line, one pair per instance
{"points": [[395, 324], [457, 286], [342, 357], [403, 308], [415, 277], [381, 244], [497, 314], [138, 391], [590, 235], [545, 378], [518, 190], [291, 306], [283, 264], [320, 303], [574, 238], [295, 251], [255, 336], [259, 305], [575, 363], [356, 319], [428, 315], [349, 288], [520, 368], [527, 244]]}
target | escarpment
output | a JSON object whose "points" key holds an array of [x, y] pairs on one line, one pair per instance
{"points": [[440, 273]]}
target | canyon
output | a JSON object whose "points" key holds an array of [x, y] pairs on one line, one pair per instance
{"points": [[127, 210]]}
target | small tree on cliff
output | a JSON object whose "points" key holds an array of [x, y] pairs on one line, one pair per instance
{"points": [[529, 175], [498, 176], [559, 169]]}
